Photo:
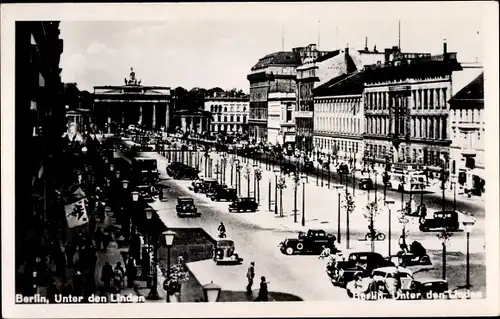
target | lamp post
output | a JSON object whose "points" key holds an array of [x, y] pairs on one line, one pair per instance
{"points": [[169, 241], [304, 180], [238, 177], [276, 173], [389, 204], [468, 226], [255, 166], [454, 184], [117, 174], [111, 167], [376, 188], [153, 293], [353, 177], [211, 292], [338, 188], [269, 195]]}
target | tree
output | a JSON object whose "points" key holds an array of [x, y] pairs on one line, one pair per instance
{"points": [[444, 236], [281, 185], [258, 176], [371, 213]]}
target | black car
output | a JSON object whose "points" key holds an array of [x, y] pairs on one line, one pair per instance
{"points": [[243, 204], [222, 192], [182, 171], [186, 208], [359, 263], [366, 183], [308, 166], [287, 168], [343, 169], [447, 220], [312, 242]]}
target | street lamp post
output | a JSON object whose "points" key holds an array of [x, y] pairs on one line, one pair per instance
{"points": [[338, 188], [468, 226], [304, 180], [454, 184], [169, 240], [276, 173], [269, 195], [153, 293], [238, 177], [376, 188], [255, 166], [389, 204]]}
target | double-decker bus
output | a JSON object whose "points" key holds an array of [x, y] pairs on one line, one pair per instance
{"points": [[407, 177]]}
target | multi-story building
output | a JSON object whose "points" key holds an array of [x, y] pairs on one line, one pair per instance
{"points": [[406, 109], [467, 135], [314, 73], [274, 73], [338, 118], [39, 124], [229, 113], [280, 124]]}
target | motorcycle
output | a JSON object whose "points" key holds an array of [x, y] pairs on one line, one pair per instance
{"points": [[222, 234], [377, 235]]}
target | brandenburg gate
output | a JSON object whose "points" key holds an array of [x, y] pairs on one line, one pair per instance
{"points": [[132, 103]]}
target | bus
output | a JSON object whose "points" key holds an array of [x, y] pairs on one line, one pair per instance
{"points": [[408, 179]]}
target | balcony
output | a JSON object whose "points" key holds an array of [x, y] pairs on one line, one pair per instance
{"points": [[468, 125]]}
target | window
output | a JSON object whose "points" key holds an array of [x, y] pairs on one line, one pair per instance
{"points": [[237, 118], [225, 109], [218, 118], [225, 118], [232, 118]]}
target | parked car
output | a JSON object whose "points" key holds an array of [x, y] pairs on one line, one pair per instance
{"points": [[243, 204], [384, 282], [186, 207], [206, 185], [223, 192], [144, 171], [308, 166], [312, 242], [428, 287], [447, 220], [343, 169], [358, 263], [366, 183], [182, 171], [287, 168]]}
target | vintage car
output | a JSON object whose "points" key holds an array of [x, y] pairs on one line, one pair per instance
{"points": [[312, 243], [447, 220], [343, 168], [429, 287], [243, 204], [186, 208], [204, 185], [224, 253], [182, 171], [145, 170], [366, 183], [147, 192], [222, 192], [416, 256], [384, 282], [358, 263], [287, 168], [308, 166]]}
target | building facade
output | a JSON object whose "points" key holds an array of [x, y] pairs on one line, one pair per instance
{"points": [[229, 114], [338, 119], [39, 124], [274, 73], [406, 109], [314, 73], [133, 104], [467, 136], [280, 124]]}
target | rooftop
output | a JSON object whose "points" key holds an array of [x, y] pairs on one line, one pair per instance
{"points": [[344, 84], [281, 57], [471, 92]]}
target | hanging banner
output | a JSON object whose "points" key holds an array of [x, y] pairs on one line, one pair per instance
{"points": [[76, 213]]}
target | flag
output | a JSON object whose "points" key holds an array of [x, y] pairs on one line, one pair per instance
{"points": [[76, 213]]}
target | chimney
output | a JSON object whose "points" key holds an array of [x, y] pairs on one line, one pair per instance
{"points": [[445, 47], [366, 43], [387, 54], [375, 49]]}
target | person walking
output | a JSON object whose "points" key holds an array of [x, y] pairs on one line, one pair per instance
{"points": [[106, 276], [263, 292], [250, 276], [131, 272]]}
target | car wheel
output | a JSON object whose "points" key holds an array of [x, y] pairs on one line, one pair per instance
{"points": [[300, 246], [380, 236], [425, 260], [289, 251]]}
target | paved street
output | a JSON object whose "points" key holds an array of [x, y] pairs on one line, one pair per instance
{"points": [[257, 234]]}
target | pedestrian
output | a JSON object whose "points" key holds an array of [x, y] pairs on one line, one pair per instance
{"points": [[105, 241], [250, 276], [423, 212], [131, 272], [119, 267], [60, 263], [98, 238], [106, 276], [263, 292], [78, 283], [117, 280], [402, 243]]}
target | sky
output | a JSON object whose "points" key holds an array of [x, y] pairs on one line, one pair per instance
{"points": [[211, 49]]}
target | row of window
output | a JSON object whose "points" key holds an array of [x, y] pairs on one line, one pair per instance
{"points": [[428, 127], [469, 139], [420, 99], [338, 124], [226, 127], [220, 108], [336, 105], [406, 154], [218, 118], [468, 116], [331, 144], [258, 113]]}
